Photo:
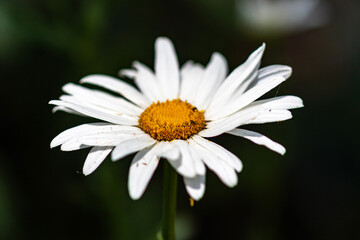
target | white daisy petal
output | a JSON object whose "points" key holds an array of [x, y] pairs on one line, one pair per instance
{"points": [[249, 96], [72, 145], [131, 145], [141, 170], [241, 74], [95, 113], [263, 74], [191, 75], [167, 67], [214, 75], [245, 85], [217, 127], [195, 186], [129, 73], [281, 102], [178, 155], [113, 138], [275, 69], [262, 111], [88, 135], [128, 119], [223, 154], [102, 99], [82, 102], [68, 110], [225, 172], [253, 114], [183, 165], [272, 70], [118, 86], [74, 132], [168, 150], [268, 116], [198, 163], [147, 82], [259, 139], [95, 157]]}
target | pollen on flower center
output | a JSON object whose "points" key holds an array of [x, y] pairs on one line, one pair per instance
{"points": [[170, 120]]}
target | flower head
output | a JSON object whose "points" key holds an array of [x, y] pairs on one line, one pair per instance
{"points": [[172, 113]]}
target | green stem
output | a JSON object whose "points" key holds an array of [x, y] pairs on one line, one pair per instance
{"points": [[169, 202]]}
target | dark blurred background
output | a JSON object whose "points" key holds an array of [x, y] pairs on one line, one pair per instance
{"points": [[310, 193]]}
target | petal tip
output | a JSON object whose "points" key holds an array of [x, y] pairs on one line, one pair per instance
{"points": [[301, 103], [162, 39], [53, 144], [233, 184], [164, 42], [88, 78], [67, 86], [188, 174], [288, 72], [86, 172], [263, 46], [217, 55], [55, 109], [113, 157], [197, 197], [240, 168], [85, 79], [129, 73], [134, 195]]}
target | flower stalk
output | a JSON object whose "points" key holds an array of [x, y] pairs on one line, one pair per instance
{"points": [[169, 203]]}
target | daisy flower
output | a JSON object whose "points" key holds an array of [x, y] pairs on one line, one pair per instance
{"points": [[171, 114]]}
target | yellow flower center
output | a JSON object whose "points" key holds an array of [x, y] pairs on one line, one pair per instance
{"points": [[170, 120]]}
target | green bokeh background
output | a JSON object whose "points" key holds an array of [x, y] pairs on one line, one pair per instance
{"points": [[310, 193]]}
